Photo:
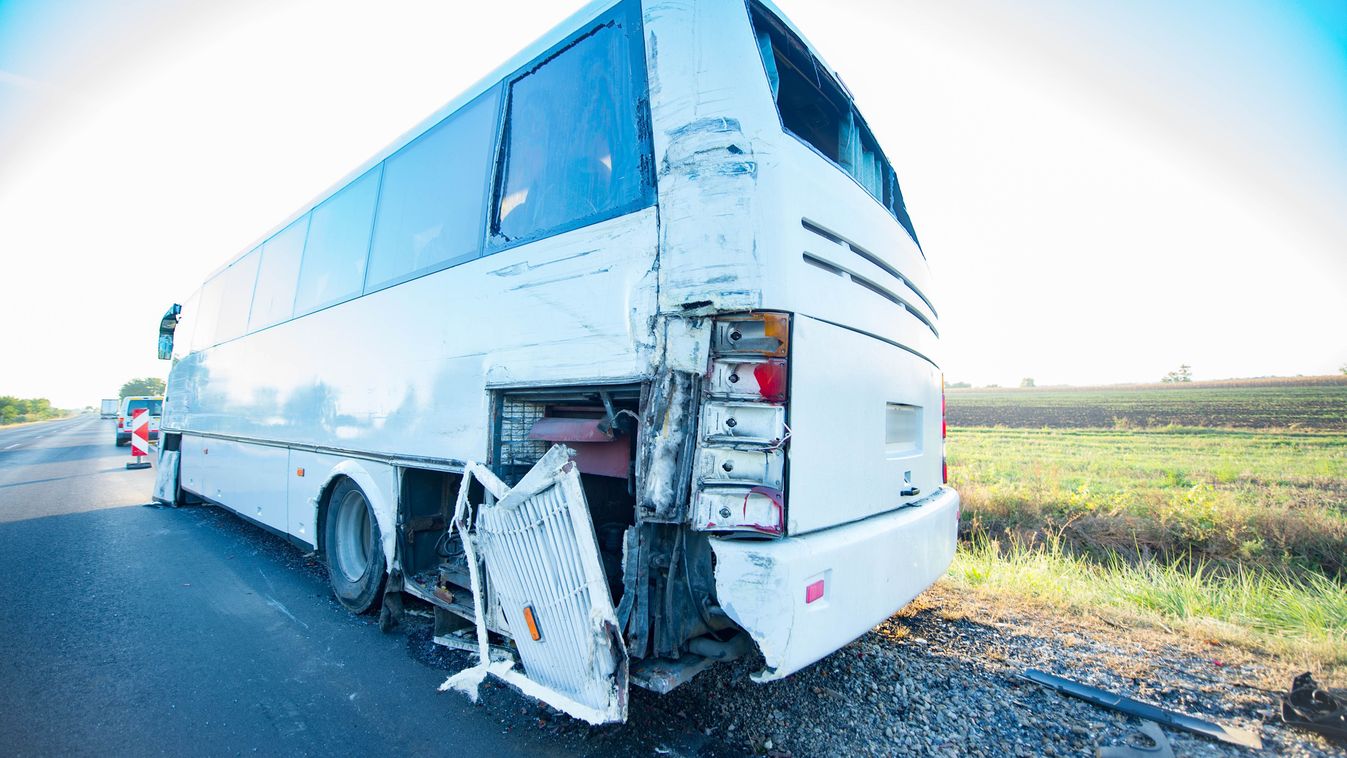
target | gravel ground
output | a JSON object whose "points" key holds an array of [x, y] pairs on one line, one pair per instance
{"points": [[939, 679], [936, 679]]}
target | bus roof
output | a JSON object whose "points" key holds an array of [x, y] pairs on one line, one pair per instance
{"points": [[516, 62]]}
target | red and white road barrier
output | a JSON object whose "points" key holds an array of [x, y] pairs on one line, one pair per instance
{"points": [[140, 438]]}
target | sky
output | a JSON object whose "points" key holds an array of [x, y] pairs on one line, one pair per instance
{"points": [[1104, 190]]}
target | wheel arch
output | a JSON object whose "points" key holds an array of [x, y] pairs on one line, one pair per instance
{"points": [[378, 486]]}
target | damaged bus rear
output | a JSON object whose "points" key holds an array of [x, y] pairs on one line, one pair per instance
{"points": [[626, 363]]}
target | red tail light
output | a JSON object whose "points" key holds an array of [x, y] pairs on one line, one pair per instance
{"points": [[119, 422], [944, 425], [771, 379], [944, 432]]}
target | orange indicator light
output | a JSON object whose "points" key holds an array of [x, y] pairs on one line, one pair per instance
{"points": [[532, 623], [777, 325]]}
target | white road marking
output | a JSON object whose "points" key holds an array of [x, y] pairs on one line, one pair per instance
{"points": [[16, 444]]}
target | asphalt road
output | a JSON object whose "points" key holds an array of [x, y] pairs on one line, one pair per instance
{"points": [[132, 629]]}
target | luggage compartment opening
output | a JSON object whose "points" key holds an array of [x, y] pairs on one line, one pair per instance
{"points": [[600, 424], [434, 563]]}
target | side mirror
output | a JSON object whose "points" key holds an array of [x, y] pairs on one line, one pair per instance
{"points": [[166, 327]]}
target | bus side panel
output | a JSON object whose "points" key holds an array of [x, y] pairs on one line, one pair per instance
{"points": [[248, 479], [306, 489], [403, 371], [191, 468], [376, 480]]}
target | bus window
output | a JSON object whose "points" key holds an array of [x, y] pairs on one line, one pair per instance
{"points": [[816, 108], [279, 269], [208, 310], [184, 337], [572, 153], [334, 258], [432, 201], [236, 295]]}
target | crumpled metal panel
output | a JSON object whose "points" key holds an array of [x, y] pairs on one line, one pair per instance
{"points": [[166, 476], [540, 552]]}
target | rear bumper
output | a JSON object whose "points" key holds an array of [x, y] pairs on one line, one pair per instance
{"points": [[869, 568]]}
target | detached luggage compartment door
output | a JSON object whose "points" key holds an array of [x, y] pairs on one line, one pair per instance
{"points": [[542, 563], [865, 427]]}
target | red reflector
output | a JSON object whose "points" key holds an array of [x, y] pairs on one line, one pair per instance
{"points": [[813, 592], [944, 470], [771, 378]]}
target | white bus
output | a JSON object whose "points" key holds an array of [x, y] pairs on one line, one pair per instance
{"points": [[662, 244]]}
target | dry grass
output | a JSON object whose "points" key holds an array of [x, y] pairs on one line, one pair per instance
{"points": [[1099, 507]]}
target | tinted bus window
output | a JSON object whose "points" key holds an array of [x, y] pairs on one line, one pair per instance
{"points": [[339, 234], [815, 108], [433, 197], [236, 295], [572, 151], [277, 274]]}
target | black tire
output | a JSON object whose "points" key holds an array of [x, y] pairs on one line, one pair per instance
{"points": [[354, 551], [123, 440]]}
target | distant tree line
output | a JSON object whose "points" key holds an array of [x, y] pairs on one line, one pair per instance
{"points": [[148, 385], [17, 410]]}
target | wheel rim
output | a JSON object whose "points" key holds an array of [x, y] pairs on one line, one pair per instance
{"points": [[354, 537]]}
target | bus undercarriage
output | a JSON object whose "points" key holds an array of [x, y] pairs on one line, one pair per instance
{"points": [[656, 573]]}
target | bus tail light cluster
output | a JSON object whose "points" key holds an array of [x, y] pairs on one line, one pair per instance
{"points": [[739, 479]]}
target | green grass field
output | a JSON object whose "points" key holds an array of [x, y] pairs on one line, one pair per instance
{"points": [[1199, 524]]}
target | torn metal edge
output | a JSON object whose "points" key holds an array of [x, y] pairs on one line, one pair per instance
{"points": [[470, 679]]}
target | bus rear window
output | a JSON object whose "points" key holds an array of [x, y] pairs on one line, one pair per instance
{"points": [[815, 107]]}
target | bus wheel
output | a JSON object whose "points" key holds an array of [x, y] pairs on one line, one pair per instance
{"points": [[355, 554]]}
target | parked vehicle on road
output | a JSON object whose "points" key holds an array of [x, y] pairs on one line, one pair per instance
{"points": [[153, 404], [109, 408], [652, 288]]}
